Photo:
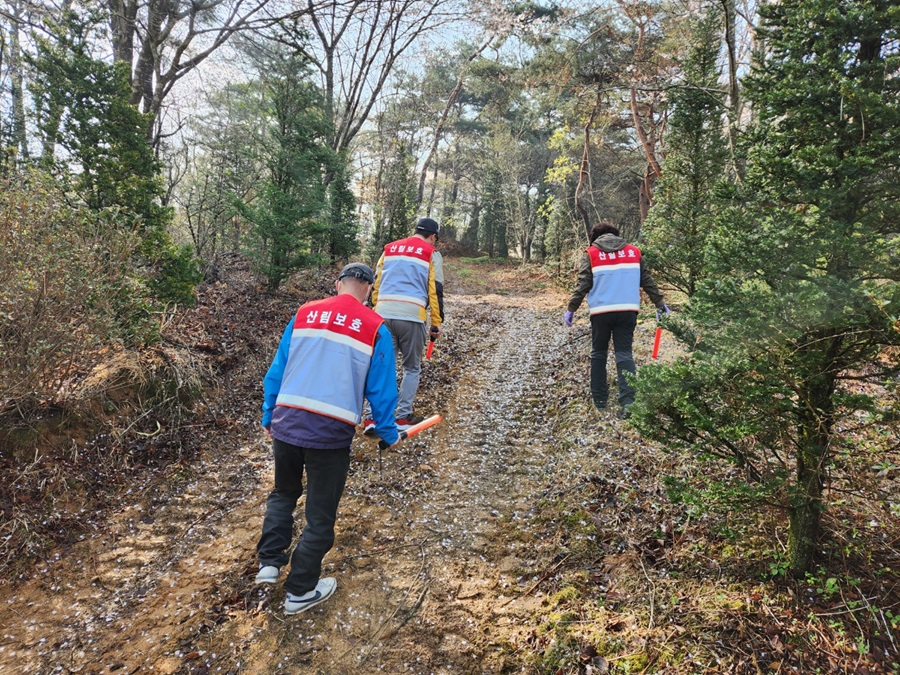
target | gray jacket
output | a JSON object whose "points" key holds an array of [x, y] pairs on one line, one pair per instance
{"points": [[609, 243]]}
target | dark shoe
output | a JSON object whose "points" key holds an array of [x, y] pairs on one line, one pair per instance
{"points": [[294, 604], [404, 423], [624, 414], [600, 406]]}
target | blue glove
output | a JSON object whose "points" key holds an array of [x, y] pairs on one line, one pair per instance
{"points": [[567, 318], [662, 311]]}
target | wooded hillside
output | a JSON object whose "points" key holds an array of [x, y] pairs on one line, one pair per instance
{"points": [[752, 152]]}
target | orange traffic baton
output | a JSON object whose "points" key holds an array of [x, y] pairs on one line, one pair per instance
{"points": [[413, 430], [655, 354]]}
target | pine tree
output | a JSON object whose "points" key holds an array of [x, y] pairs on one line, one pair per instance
{"points": [[678, 225], [492, 234], [342, 220], [84, 107], [802, 306], [290, 212]]}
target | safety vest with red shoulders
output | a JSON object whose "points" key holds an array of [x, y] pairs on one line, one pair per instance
{"points": [[403, 284], [329, 357], [617, 280]]}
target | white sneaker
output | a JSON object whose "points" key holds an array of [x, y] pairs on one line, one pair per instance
{"points": [[268, 574], [294, 604]]}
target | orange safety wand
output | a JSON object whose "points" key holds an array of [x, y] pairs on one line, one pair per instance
{"points": [[421, 426], [414, 429], [655, 354], [430, 349]]}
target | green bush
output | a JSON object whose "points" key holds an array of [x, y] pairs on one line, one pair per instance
{"points": [[66, 288], [175, 271]]}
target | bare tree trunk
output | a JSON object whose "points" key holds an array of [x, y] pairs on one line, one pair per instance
{"points": [[379, 219], [17, 85], [734, 98], [474, 224], [439, 129], [360, 43], [122, 15], [449, 206], [157, 59], [582, 176], [147, 74], [758, 49], [653, 170], [584, 170], [814, 425], [527, 227], [645, 199], [326, 66], [53, 120], [434, 175]]}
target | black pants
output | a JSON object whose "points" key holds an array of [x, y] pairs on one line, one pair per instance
{"points": [[326, 474], [620, 326]]}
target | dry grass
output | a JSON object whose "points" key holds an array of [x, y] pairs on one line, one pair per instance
{"points": [[606, 573]]}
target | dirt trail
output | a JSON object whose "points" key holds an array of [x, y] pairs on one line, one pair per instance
{"points": [[435, 566]]}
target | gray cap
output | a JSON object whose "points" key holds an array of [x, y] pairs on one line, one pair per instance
{"points": [[358, 271]]}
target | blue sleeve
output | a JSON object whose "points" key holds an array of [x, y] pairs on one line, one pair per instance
{"points": [[272, 380], [381, 387]]}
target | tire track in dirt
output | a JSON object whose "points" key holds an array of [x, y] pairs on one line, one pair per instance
{"points": [[431, 553], [125, 599], [431, 557]]}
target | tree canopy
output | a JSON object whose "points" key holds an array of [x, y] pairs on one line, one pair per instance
{"points": [[751, 151]]}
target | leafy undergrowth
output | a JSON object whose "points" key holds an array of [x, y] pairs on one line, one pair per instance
{"points": [[642, 584], [608, 575], [138, 420]]}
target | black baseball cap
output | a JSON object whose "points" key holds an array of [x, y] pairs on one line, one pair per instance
{"points": [[358, 271], [428, 226]]}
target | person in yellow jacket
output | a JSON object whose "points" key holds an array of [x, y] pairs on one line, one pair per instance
{"points": [[406, 295]]}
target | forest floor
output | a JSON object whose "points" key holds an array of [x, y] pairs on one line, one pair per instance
{"points": [[525, 533]]}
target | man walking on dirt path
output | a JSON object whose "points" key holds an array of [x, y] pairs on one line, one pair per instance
{"points": [[333, 353], [611, 275], [405, 294]]}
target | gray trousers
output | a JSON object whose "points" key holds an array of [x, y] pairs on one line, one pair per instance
{"points": [[409, 341]]}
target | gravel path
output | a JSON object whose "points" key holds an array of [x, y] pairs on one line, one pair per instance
{"points": [[434, 564]]}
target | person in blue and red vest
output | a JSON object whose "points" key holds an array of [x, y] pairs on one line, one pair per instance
{"points": [[334, 353], [611, 275], [406, 294]]}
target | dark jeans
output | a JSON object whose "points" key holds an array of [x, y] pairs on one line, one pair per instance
{"points": [[326, 474], [620, 326]]}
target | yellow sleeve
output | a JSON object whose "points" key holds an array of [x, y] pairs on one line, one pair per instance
{"points": [[433, 298], [377, 284]]}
